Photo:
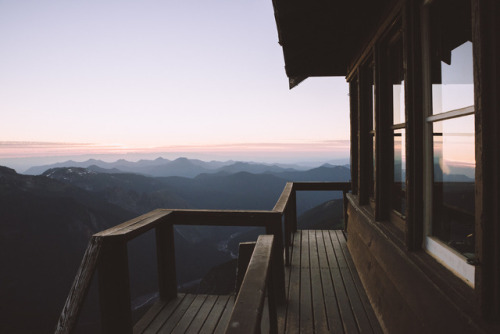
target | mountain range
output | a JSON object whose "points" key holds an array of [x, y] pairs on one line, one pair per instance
{"points": [[47, 220], [183, 167]]}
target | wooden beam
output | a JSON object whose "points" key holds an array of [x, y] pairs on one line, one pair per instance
{"points": [[322, 186], [245, 251], [247, 313], [114, 287], [284, 198], [354, 114], [224, 217], [486, 49], [80, 287], [137, 226], [165, 254], [278, 274], [414, 126]]}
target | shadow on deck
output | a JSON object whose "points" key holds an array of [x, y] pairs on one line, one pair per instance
{"points": [[323, 294]]}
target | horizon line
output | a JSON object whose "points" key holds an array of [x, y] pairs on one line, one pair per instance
{"points": [[32, 149]]}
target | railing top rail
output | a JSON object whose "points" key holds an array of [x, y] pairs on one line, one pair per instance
{"points": [[319, 186], [283, 200], [247, 312], [136, 226]]}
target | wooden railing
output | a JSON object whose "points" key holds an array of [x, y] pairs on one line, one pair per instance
{"points": [[107, 252], [249, 306]]}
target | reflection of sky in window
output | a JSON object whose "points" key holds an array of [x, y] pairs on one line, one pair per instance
{"points": [[399, 154], [457, 88], [455, 148], [398, 93]]}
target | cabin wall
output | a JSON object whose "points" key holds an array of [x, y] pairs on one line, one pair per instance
{"points": [[405, 298]]}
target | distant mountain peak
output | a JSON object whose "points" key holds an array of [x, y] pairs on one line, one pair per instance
{"points": [[68, 171]]}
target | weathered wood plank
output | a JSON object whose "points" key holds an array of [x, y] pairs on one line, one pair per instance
{"points": [[306, 312], [164, 314], [188, 317], [359, 286], [293, 310], [348, 320], [332, 309], [352, 292], [165, 256], [114, 288], [224, 319], [247, 314], [317, 294], [278, 269], [215, 315], [224, 217], [320, 186], [282, 203], [169, 318], [139, 225], [150, 315], [80, 287], [202, 314], [245, 251]]}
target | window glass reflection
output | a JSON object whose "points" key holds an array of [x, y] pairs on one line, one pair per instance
{"points": [[399, 184], [456, 89], [453, 193]]}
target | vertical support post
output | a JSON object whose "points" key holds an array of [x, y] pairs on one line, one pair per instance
{"points": [[288, 222], [271, 303], [245, 251], [344, 192], [353, 99], [114, 287], [293, 210], [486, 48], [364, 148], [165, 253], [278, 269]]}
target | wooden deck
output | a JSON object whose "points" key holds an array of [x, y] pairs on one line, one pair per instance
{"points": [[324, 295], [324, 292]]}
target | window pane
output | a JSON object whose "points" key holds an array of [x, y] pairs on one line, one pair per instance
{"points": [[451, 57], [399, 185], [457, 88], [398, 96], [397, 81], [453, 186], [371, 78]]}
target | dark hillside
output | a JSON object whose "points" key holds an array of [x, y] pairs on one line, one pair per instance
{"points": [[44, 229]]}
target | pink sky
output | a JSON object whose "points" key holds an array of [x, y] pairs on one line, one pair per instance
{"points": [[156, 75]]}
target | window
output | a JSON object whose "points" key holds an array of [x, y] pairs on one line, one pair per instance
{"points": [[450, 141], [371, 127], [397, 90]]}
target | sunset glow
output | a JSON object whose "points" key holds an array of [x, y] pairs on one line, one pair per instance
{"points": [[113, 77]]}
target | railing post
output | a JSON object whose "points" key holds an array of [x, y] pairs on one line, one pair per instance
{"points": [[114, 287], [293, 210], [344, 192], [278, 269], [165, 254], [288, 221], [245, 251]]}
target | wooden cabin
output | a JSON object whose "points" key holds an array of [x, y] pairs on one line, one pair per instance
{"points": [[424, 212]]}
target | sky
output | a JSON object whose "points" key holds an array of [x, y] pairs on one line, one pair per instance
{"points": [[96, 77]]}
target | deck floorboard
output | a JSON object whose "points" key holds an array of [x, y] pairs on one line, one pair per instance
{"points": [[323, 290]]}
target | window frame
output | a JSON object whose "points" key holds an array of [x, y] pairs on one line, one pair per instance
{"points": [[444, 254]]}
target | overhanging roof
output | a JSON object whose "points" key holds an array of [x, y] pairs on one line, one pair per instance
{"points": [[321, 37]]}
